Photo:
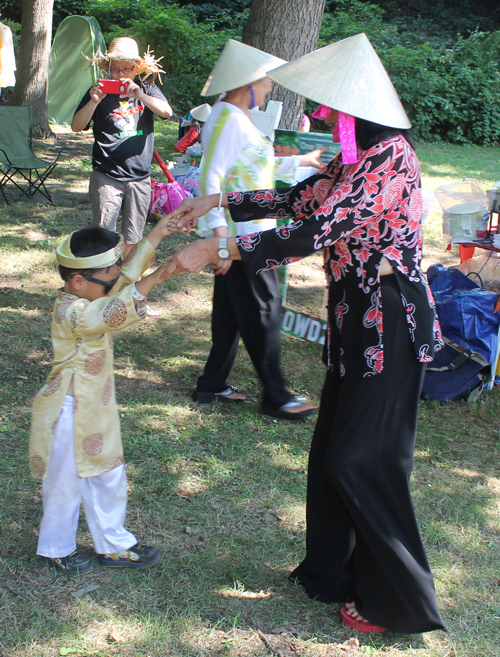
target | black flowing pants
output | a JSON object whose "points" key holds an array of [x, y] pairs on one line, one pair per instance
{"points": [[363, 542], [250, 306]]}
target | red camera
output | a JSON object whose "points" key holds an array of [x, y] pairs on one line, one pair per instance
{"points": [[113, 86]]}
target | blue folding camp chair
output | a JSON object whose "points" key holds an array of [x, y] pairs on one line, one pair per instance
{"points": [[20, 166]]}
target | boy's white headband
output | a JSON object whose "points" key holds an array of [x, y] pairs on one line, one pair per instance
{"points": [[66, 258]]}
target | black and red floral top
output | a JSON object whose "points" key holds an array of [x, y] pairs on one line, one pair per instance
{"points": [[357, 214]]}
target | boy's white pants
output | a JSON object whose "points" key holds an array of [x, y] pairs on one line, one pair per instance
{"points": [[104, 499]]}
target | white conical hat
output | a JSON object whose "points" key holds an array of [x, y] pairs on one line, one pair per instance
{"points": [[347, 76], [237, 66], [202, 112]]}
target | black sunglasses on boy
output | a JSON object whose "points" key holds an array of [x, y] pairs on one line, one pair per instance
{"points": [[108, 285]]}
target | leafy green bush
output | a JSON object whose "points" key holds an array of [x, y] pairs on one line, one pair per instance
{"points": [[449, 84], [116, 15], [190, 50], [222, 14], [451, 90], [451, 94], [64, 8]]}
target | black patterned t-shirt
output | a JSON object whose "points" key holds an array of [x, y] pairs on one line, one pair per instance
{"points": [[123, 134]]}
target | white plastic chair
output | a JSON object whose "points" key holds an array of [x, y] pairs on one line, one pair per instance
{"points": [[268, 120]]}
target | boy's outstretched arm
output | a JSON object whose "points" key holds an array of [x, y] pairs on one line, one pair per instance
{"points": [[146, 284], [158, 232]]}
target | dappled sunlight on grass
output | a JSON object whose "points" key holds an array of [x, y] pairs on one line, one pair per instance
{"points": [[238, 591]]}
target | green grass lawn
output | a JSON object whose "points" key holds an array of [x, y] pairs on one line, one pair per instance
{"points": [[220, 490]]}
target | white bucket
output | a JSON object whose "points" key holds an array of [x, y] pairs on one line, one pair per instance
{"points": [[462, 221]]}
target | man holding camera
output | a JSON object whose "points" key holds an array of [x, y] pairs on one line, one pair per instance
{"points": [[123, 127]]}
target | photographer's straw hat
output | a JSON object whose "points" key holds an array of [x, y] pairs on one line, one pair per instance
{"points": [[66, 258], [347, 76], [237, 66], [124, 49], [202, 112]]}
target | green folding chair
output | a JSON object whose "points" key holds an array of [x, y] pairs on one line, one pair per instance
{"points": [[20, 166]]}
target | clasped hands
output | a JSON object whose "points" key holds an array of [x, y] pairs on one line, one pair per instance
{"points": [[197, 255]]}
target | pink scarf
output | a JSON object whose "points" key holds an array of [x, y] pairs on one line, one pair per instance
{"points": [[344, 132]]}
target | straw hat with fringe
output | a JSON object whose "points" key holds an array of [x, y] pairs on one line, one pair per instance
{"points": [[347, 76], [237, 66], [125, 49]]}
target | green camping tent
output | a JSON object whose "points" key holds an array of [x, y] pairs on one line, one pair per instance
{"points": [[70, 76]]}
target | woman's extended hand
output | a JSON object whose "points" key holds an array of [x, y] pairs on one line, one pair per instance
{"points": [[192, 208], [313, 158]]}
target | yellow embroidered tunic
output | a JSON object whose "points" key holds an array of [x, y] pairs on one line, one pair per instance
{"points": [[83, 351]]}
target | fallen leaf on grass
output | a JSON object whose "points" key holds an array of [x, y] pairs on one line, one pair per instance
{"points": [[291, 630], [186, 495], [349, 644], [87, 589], [35, 499], [115, 637]]}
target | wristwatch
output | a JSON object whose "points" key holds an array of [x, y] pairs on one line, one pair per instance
{"points": [[223, 251]]}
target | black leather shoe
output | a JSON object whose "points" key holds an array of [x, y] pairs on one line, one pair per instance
{"points": [[138, 556], [74, 564]]}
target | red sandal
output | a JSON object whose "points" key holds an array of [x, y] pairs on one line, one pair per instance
{"points": [[359, 625]]}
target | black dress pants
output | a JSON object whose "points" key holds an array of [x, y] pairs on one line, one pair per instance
{"points": [[363, 542], [249, 306]]}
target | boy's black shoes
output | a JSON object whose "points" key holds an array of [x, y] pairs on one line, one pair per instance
{"points": [[138, 556], [74, 564]]}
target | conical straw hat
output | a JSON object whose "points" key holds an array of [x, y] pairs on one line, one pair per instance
{"points": [[237, 66], [202, 112], [347, 76]]}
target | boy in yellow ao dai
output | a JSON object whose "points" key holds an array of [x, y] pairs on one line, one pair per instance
{"points": [[75, 442]]}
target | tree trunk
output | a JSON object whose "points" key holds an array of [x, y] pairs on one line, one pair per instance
{"points": [[286, 29], [33, 62]]}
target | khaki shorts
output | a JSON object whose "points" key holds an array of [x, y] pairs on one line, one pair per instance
{"points": [[109, 196]]}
